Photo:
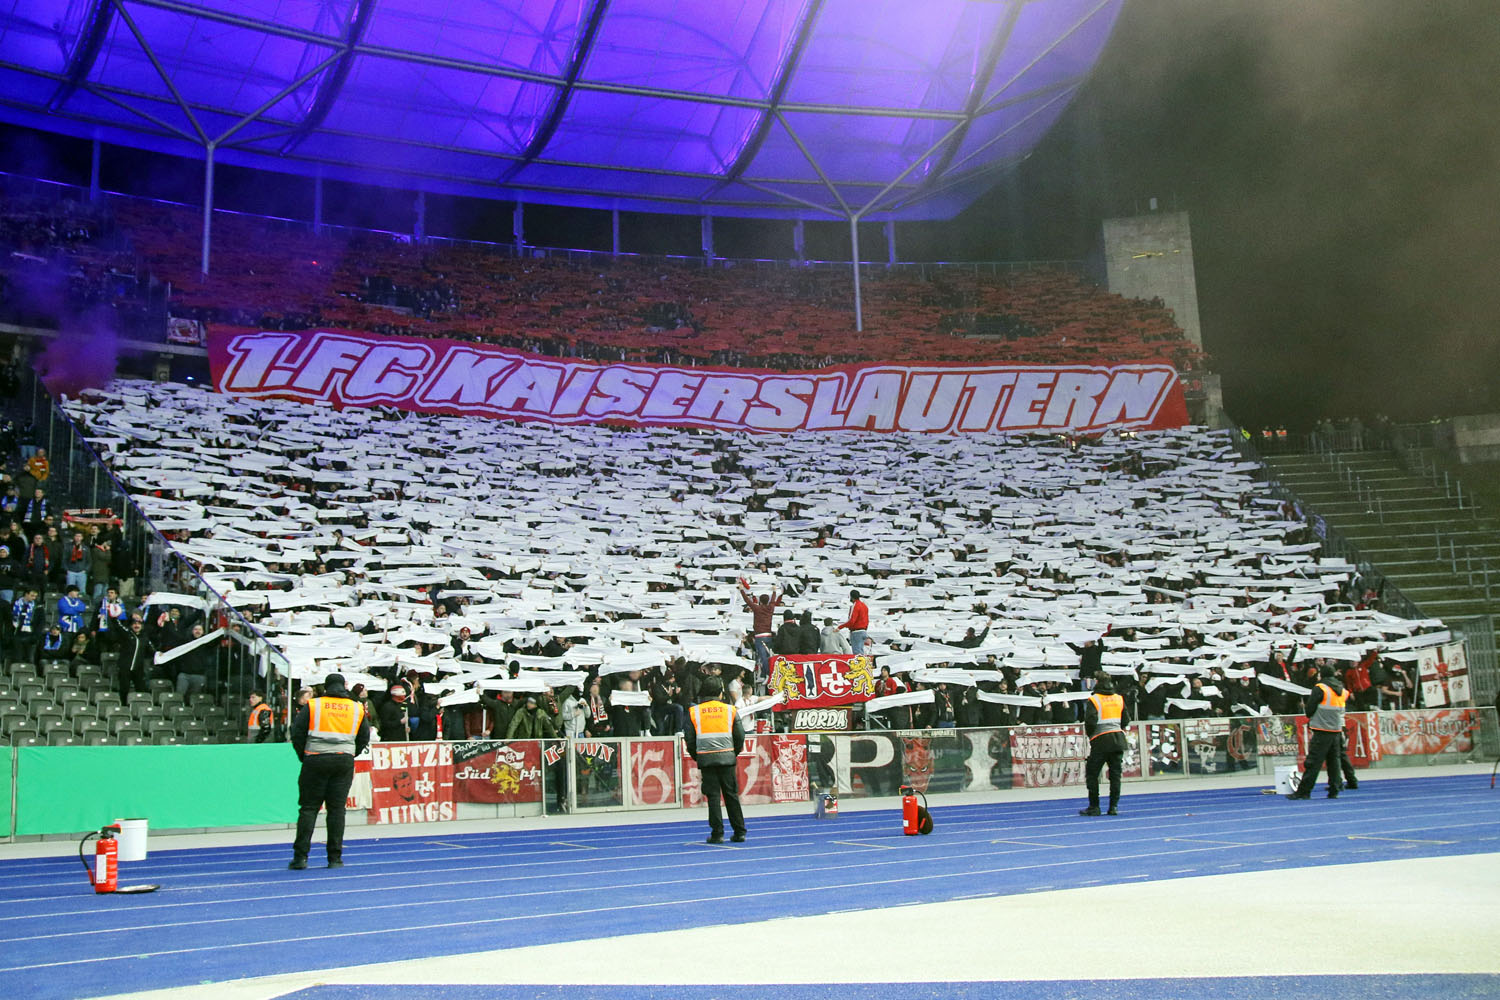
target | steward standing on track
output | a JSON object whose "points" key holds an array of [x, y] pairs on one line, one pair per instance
{"points": [[714, 739], [1104, 722], [1325, 729], [328, 733]]}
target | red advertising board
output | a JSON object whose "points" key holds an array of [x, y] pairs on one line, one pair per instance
{"points": [[1048, 756], [494, 772], [653, 779], [411, 782], [1443, 730], [428, 375], [773, 768], [822, 681]]}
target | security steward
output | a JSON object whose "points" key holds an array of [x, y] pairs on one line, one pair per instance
{"points": [[1104, 722], [1325, 729], [328, 733], [714, 739]]}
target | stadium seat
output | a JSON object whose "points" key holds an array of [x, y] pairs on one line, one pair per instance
{"points": [[118, 719], [76, 702], [199, 739], [142, 707], [160, 686], [47, 712], [189, 727], [171, 702], [47, 727], [167, 739], [83, 727], [97, 738], [29, 740], [32, 691], [104, 702], [62, 738], [133, 738], [11, 719]]}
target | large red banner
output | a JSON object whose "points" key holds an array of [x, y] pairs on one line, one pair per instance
{"points": [[446, 376], [821, 681], [411, 782], [1444, 730], [773, 768], [501, 773]]}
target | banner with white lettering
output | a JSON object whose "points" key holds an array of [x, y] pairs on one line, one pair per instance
{"points": [[500, 772], [411, 782], [423, 375], [822, 680]]}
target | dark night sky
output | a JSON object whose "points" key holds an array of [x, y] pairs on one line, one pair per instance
{"points": [[1340, 160]]}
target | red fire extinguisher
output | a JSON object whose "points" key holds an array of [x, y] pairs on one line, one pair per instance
{"points": [[915, 818], [105, 875]]}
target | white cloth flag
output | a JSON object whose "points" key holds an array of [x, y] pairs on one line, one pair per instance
{"points": [[630, 698], [1025, 701], [1277, 682], [1059, 696], [1189, 704], [188, 647], [761, 704], [897, 700]]}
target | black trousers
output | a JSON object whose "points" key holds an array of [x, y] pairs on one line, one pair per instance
{"points": [[720, 779], [324, 781], [1098, 757], [1323, 747], [1345, 764]]}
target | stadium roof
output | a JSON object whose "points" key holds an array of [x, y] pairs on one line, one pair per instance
{"points": [[780, 108]]}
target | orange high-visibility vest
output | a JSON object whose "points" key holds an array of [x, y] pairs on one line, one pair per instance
{"points": [[1110, 707]]}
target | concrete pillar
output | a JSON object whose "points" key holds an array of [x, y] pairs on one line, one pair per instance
{"points": [[518, 225], [890, 241], [614, 231], [419, 230], [318, 205], [799, 245], [707, 228], [208, 202], [94, 192]]}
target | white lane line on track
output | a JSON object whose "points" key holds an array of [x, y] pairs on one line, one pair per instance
{"points": [[1241, 817], [593, 889], [840, 864], [1025, 843], [855, 843], [1399, 840], [1205, 840], [564, 843], [1227, 803], [1235, 808]]}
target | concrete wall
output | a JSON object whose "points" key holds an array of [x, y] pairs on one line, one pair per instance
{"points": [[1477, 439], [1151, 256]]}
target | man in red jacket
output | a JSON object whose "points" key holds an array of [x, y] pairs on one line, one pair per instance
{"points": [[762, 612], [858, 624]]}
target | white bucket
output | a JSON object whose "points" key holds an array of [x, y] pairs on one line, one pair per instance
{"points": [[1287, 776], [132, 839]]}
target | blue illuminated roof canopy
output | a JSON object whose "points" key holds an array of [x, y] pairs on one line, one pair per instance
{"points": [[885, 109]]}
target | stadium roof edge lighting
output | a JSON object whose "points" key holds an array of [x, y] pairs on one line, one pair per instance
{"points": [[832, 109]]}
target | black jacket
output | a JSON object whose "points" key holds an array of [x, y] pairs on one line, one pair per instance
{"points": [[788, 639]]}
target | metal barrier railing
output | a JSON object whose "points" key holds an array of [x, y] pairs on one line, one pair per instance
{"points": [[81, 480]]}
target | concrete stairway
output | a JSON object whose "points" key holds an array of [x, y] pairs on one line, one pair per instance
{"points": [[1395, 519]]}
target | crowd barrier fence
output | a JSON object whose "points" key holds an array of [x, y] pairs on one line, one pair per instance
{"points": [[67, 790]]}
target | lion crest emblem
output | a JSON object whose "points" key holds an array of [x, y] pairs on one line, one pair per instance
{"points": [[786, 679], [861, 680], [506, 779]]}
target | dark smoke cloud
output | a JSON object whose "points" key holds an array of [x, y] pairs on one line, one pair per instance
{"points": [[84, 354]]}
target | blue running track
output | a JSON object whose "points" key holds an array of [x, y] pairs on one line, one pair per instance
{"points": [[230, 913]]}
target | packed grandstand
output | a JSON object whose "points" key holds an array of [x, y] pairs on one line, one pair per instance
{"points": [[460, 556]]}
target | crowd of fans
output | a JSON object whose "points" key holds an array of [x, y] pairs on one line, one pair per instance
{"points": [[431, 559], [274, 275]]}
